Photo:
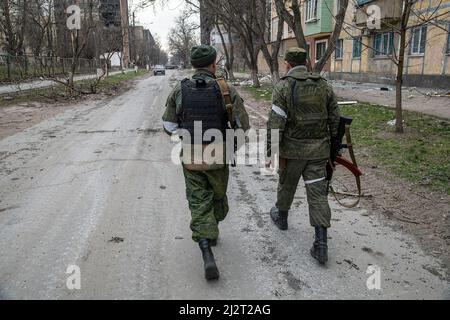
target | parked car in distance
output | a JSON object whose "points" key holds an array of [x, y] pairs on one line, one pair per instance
{"points": [[159, 70], [170, 67]]}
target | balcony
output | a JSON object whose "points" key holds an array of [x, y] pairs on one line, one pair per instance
{"points": [[391, 11], [320, 21]]}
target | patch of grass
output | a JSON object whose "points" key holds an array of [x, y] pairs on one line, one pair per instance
{"points": [[53, 93], [263, 93], [421, 154], [118, 78]]}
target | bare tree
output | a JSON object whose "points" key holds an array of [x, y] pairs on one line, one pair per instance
{"points": [[291, 11], [228, 47], [421, 18], [13, 22], [263, 31], [241, 17], [37, 29], [110, 43], [292, 14], [183, 37]]}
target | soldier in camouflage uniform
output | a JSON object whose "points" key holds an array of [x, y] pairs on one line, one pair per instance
{"points": [[200, 99], [306, 112]]}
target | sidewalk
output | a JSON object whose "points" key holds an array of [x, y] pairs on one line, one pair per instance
{"points": [[35, 84], [421, 100]]}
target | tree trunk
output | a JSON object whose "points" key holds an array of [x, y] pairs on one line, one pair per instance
{"points": [[401, 59], [205, 25], [275, 76], [272, 62], [255, 78], [231, 61], [125, 33], [398, 102], [253, 65], [276, 50], [107, 68], [254, 68], [225, 49], [10, 36]]}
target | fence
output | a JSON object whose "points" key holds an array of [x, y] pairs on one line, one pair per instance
{"points": [[17, 68]]}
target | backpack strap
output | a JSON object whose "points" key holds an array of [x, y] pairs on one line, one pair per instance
{"points": [[293, 93], [225, 90]]}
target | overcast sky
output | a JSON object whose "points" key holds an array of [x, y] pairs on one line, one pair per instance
{"points": [[160, 20]]}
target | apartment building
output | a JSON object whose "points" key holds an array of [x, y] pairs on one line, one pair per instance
{"points": [[365, 53]]}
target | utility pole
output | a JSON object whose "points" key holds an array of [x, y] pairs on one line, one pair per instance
{"points": [[125, 33]]}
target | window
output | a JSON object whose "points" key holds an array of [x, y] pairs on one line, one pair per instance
{"points": [[311, 10], [308, 49], [418, 40], [383, 43], [321, 46], [357, 48], [339, 51]]}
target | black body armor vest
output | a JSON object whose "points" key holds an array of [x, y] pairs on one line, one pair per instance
{"points": [[203, 101]]}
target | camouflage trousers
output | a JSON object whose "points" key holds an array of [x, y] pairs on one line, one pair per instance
{"points": [[313, 173], [206, 192]]}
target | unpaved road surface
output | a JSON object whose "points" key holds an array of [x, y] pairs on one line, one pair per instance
{"points": [[94, 186]]}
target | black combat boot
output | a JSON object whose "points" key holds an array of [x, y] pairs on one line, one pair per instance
{"points": [[319, 250], [211, 271], [280, 218]]}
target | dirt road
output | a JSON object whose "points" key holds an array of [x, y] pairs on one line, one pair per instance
{"points": [[94, 187]]}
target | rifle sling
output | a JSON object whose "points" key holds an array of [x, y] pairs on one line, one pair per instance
{"points": [[225, 90], [357, 177]]}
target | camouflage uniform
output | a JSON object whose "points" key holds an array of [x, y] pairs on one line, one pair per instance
{"points": [[305, 111], [205, 190]]}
